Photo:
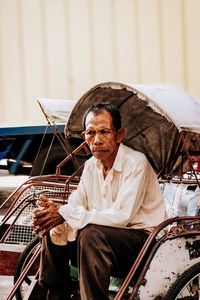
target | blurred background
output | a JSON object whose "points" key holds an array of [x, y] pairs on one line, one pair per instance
{"points": [[61, 48]]}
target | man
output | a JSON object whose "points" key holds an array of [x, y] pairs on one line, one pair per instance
{"points": [[117, 204]]}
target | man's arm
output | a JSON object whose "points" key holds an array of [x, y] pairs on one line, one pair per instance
{"points": [[125, 206]]}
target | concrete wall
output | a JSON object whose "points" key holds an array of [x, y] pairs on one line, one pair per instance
{"points": [[61, 48]]}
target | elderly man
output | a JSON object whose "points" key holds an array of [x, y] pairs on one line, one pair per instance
{"points": [[116, 206]]}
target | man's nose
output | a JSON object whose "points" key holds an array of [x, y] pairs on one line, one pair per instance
{"points": [[97, 138]]}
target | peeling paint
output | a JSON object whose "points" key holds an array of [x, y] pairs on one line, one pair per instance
{"points": [[194, 249], [172, 258]]}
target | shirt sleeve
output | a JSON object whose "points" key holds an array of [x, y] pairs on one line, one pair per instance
{"points": [[123, 209]]}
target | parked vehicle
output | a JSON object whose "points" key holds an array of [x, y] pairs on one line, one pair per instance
{"points": [[162, 122], [35, 149]]}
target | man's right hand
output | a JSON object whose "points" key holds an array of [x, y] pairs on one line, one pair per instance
{"points": [[46, 216]]}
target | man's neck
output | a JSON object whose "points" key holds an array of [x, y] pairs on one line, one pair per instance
{"points": [[108, 163], [105, 172], [107, 166]]}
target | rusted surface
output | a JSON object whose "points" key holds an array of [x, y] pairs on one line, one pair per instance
{"points": [[193, 248], [8, 262], [172, 259], [185, 228]]}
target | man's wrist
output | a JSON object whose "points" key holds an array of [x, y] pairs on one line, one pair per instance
{"points": [[65, 211]]}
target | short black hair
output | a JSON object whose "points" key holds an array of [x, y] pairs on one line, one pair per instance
{"points": [[110, 108]]}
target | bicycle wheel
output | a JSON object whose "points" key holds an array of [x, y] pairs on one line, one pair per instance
{"points": [[22, 262], [187, 286]]}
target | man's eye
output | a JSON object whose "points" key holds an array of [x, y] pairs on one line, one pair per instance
{"points": [[104, 132], [90, 133]]}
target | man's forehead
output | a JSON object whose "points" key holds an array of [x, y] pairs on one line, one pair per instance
{"points": [[101, 117]]}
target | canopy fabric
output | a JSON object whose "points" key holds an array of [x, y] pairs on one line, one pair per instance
{"points": [[56, 110], [153, 117], [180, 106]]}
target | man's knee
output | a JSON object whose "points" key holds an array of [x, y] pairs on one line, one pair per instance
{"points": [[88, 235]]}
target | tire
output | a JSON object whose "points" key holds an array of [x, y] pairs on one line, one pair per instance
{"points": [[22, 262], [56, 155], [187, 286]]}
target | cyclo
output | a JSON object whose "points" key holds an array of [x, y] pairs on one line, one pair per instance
{"points": [[162, 122]]}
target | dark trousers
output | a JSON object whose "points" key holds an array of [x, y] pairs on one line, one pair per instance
{"points": [[102, 252]]}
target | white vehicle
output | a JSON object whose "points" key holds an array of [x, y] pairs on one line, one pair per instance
{"points": [[25, 149]]}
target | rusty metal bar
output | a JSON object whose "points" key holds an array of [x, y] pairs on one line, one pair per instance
{"points": [[23, 274]]}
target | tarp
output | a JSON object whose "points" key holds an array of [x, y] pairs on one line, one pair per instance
{"points": [[153, 117], [181, 107], [56, 110]]}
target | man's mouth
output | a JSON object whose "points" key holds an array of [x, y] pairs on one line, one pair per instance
{"points": [[99, 150]]}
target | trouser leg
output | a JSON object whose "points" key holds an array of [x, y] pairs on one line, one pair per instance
{"points": [[54, 271], [104, 251]]}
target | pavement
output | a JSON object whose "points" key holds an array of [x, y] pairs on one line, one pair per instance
{"points": [[6, 284], [8, 183]]}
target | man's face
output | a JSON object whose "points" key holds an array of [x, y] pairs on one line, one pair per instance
{"points": [[101, 136]]}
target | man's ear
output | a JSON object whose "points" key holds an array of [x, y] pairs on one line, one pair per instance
{"points": [[120, 135]]}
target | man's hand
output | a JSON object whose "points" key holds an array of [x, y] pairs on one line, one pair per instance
{"points": [[46, 216]]}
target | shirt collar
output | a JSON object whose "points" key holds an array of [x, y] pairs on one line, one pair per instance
{"points": [[117, 166]]}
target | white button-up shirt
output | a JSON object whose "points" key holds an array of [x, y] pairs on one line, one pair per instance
{"points": [[129, 196]]}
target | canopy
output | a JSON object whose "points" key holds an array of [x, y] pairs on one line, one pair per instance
{"points": [[153, 117], [56, 110], [181, 107]]}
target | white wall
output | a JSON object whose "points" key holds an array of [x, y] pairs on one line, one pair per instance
{"points": [[61, 48]]}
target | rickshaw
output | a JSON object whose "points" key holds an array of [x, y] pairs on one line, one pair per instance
{"points": [[162, 122]]}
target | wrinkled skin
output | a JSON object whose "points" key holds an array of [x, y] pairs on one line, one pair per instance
{"points": [[46, 216]]}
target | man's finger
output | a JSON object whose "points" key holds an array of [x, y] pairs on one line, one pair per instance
{"points": [[39, 214], [42, 229], [43, 201], [43, 198]]}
